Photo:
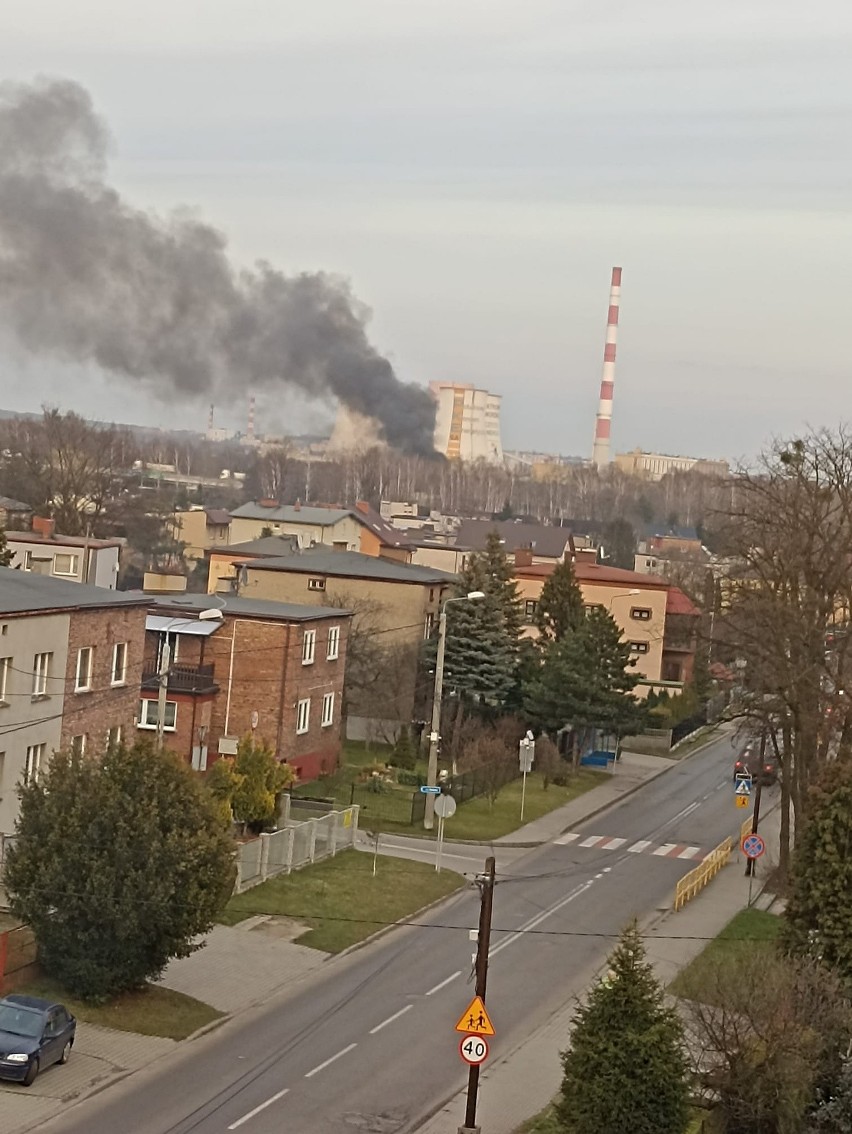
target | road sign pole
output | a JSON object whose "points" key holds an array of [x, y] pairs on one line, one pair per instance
{"points": [[523, 793], [486, 902], [750, 867], [440, 848]]}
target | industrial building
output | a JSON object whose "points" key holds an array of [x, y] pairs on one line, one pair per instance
{"points": [[654, 466], [467, 423]]}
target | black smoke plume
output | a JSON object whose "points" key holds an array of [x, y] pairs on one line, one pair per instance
{"points": [[87, 277]]}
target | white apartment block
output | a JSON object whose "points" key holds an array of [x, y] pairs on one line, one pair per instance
{"points": [[467, 423]]}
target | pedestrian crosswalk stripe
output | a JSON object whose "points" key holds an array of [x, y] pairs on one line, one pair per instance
{"points": [[690, 852], [592, 841], [613, 844], [665, 848], [642, 845], [563, 840]]}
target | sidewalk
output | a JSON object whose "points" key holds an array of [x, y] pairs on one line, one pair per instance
{"points": [[524, 1080]]}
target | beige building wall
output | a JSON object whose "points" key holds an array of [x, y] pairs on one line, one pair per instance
{"points": [[345, 532], [450, 559], [193, 529]]}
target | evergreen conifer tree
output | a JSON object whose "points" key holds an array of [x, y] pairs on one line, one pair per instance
{"points": [[818, 918], [561, 609], [5, 550], [626, 1067]]}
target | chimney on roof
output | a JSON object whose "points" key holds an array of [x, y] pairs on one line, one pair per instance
{"points": [[267, 503], [297, 507], [43, 526], [362, 506], [523, 557]]}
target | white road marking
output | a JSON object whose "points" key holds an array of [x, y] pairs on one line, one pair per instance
{"points": [[328, 1062], [592, 841], [391, 1019], [443, 983], [539, 918], [258, 1109], [427, 851], [599, 875], [690, 852], [613, 844], [665, 848], [637, 848], [563, 840], [607, 870]]}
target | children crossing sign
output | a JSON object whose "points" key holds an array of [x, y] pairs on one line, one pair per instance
{"points": [[475, 1020]]}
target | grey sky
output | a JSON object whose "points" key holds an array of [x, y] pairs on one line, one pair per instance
{"points": [[476, 167]]}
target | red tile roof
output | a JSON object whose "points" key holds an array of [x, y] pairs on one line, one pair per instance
{"points": [[596, 573], [679, 603]]}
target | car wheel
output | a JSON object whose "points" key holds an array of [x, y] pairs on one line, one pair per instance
{"points": [[32, 1071], [66, 1053]]}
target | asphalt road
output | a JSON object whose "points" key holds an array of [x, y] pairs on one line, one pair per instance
{"points": [[367, 1043]]}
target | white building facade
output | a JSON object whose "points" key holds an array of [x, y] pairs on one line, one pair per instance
{"points": [[467, 423]]}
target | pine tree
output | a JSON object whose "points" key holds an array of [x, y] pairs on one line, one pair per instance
{"points": [[5, 550], [818, 918], [626, 1068], [561, 609], [404, 755]]}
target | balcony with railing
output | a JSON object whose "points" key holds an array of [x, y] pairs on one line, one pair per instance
{"points": [[183, 679]]}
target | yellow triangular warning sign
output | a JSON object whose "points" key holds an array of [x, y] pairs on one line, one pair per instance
{"points": [[475, 1021]]}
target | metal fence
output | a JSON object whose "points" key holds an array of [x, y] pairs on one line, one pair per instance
{"points": [[387, 806], [296, 844], [695, 881]]}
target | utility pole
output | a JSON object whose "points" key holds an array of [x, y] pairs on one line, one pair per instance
{"points": [[165, 665], [756, 817], [483, 945]]}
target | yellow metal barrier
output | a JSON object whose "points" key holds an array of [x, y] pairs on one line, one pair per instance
{"points": [[746, 828], [692, 883]]}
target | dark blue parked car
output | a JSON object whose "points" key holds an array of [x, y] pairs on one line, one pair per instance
{"points": [[33, 1034]]}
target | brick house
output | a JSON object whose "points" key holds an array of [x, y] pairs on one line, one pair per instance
{"points": [[274, 669], [70, 660]]}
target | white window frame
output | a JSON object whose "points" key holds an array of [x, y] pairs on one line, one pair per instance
{"points": [[428, 627], [333, 651], [74, 562], [148, 719], [115, 741], [327, 710], [303, 716], [309, 646], [119, 650], [316, 584], [32, 762], [79, 749], [5, 669], [83, 681], [41, 673]]}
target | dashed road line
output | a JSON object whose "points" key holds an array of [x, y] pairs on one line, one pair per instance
{"points": [[236, 1125], [328, 1062], [391, 1019], [443, 983]]}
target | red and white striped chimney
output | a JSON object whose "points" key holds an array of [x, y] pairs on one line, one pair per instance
{"points": [[603, 422], [250, 426]]}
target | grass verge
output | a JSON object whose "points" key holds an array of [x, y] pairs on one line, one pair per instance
{"points": [[341, 900], [751, 929], [152, 1011], [542, 1123]]}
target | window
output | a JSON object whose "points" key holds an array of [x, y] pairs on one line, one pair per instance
{"points": [[41, 671], [32, 764], [641, 613], [327, 709], [119, 664], [39, 564], [333, 650], [115, 735], [429, 626], [309, 645], [66, 564], [148, 715], [316, 584], [303, 716], [5, 669], [83, 680], [590, 606], [639, 647], [530, 607], [78, 744]]}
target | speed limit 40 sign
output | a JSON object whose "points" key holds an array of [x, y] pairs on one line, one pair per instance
{"points": [[473, 1050]]}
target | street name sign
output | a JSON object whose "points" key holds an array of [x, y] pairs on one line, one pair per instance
{"points": [[475, 1020], [753, 846], [473, 1050], [425, 790]]}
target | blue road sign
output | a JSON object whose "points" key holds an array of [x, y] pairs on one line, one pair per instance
{"points": [[753, 846], [430, 790]]}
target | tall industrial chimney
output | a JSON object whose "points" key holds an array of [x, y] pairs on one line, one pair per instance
{"points": [[603, 422], [210, 420], [250, 426]]}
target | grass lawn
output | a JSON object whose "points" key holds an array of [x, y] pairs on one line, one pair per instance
{"points": [[751, 929], [543, 1123], [481, 819], [341, 900], [154, 1011]]}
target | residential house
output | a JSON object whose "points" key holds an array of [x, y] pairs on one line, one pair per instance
{"points": [[70, 662], [435, 553], [546, 543], [202, 528], [395, 606], [269, 668], [79, 559], [15, 514], [661, 629], [336, 528]]}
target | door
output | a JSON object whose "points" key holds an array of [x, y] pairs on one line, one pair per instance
{"points": [[54, 1038]]}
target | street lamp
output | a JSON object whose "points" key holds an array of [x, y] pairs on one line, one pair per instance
{"points": [[213, 614], [627, 594], [434, 735]]}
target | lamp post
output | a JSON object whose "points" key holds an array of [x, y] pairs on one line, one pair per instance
{"points": [[213, 614], [434, 735], [627, 594]]}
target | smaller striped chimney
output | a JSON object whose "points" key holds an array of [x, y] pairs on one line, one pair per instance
{"points": [[603, 422], [250, 426]]}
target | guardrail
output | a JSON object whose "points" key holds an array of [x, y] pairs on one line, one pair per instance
{"points": [[746, 828], [694, 882]]}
